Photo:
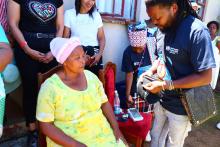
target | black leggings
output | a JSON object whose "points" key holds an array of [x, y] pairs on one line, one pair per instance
{"points": [[28, 69]]}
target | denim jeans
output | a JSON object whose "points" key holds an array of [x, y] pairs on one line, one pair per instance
{"points": [[169, 129]]}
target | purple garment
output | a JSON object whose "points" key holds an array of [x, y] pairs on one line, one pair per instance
{"points": [[3, 15]]}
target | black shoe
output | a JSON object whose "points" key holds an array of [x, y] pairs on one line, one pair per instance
{"points": [[32, 139]]}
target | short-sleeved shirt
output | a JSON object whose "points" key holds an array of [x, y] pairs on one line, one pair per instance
{"points": [[3, 39], [131, 63], [84, 26], [187, 51], [3, 15], [38, 16], [77, 113]]}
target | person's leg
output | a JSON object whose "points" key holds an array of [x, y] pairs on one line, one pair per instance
{"points": [[179, 126], [158, 125], [163, 135], [28, 70]]}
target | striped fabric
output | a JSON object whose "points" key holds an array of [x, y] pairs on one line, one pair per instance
{"points": [[3, 14]]}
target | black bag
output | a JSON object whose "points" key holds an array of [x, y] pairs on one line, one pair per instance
{"points": [[143, 93], [199, 104]]}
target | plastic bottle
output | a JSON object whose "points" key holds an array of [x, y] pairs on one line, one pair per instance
{"points": [[117, 109]]}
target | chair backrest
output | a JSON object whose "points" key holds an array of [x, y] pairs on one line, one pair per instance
{"points": [[107, 77], [41, 78]]}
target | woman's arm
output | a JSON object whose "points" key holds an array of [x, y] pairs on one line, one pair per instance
{"points": [[108, 113], [58, 136], [66, 32], [129, 80], [101, 40], [59, 21], [14, 18]]}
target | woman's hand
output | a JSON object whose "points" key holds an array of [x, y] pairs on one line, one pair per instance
{"points": [[48, 57], [130, 101], [96, 59], [88, 60], [36, 55], [118, 135]]}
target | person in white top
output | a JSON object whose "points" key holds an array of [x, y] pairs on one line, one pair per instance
{"points": [[85, 22], [213, 29]]}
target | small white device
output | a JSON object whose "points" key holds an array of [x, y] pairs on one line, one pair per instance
{"points": [[134, 114]]}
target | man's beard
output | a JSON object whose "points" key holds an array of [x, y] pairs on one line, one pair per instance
{"points": [[172, 24], [165, 30]]}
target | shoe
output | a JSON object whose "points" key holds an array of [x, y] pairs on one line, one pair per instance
{"points": [[148, 137], [32, 139], [218, 125]]}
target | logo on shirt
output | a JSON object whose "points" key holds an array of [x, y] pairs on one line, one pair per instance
{"points": [[172, 50], [136, 63], [43, 12]]}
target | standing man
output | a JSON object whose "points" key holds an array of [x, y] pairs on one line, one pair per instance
{"points": [[189, 58], [5, 58]]}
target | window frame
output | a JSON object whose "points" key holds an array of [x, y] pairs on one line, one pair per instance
{"points": [[203, 5], [119, 18]]}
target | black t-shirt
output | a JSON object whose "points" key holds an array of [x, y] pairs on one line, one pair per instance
{"points": [[38, 15], [131, 62]]}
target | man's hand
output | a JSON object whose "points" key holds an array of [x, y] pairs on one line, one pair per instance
{"points": [[147, 73], [154, 87]]}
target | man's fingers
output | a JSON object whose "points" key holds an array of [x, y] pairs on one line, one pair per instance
{"points": [[148, 86]]}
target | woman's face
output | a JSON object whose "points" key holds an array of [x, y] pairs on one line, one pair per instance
{"points": [[212, 29], [76, 61], [138, 49], [87, 4]]}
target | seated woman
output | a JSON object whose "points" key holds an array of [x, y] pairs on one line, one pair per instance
{"points": [[72, 108]]}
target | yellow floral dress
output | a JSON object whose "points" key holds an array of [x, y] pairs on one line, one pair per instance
{"points": [[77, 113]]}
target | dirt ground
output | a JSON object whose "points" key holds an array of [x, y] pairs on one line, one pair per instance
{"points": [[204, 136]]}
